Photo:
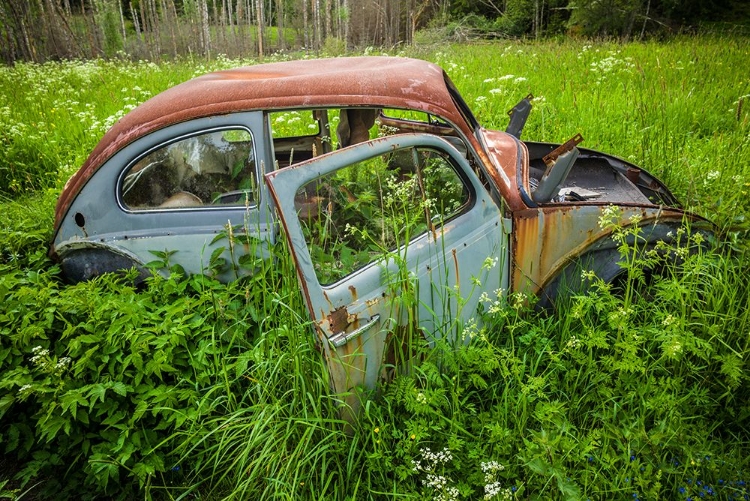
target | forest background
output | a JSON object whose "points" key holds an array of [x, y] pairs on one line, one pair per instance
{"points": [[41, 30]]}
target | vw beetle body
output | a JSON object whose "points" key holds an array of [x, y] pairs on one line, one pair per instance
{"points": [[227, 150]]}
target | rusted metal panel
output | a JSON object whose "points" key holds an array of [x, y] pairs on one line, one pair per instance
{"points": [[504, 155], [545, 240], [550, 158], [339, 319]]}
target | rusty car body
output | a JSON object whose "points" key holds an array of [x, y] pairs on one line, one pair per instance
{"points": [[499, 213]]}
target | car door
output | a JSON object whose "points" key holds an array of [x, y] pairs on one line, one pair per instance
{"points": [[389, 234]]}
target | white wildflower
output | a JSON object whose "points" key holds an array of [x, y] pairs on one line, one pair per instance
{"points": [[573, 343]]}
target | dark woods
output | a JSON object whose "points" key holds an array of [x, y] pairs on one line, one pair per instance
{"points": [[41, 30]]}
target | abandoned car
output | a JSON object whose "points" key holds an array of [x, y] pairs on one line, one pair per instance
{"points": [[369, 166]]}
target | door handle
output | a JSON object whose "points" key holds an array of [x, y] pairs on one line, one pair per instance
{"points": [[342, 338]]}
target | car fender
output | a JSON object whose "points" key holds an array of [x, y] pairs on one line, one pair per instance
{"points": [[606, 261], [86, 260]]}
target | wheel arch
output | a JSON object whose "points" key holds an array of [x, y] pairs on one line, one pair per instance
{"points": [[604, 259], [83, 263]]}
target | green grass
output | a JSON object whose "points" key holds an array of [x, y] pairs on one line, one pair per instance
{"points": [[196, 390]]}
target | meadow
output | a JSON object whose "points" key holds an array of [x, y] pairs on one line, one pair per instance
{"points": [[191, 389]]}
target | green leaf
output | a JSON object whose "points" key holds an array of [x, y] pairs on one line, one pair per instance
{"points": [[52, 426], [104, 469], [120, 388], [568, 488], [142, 471], [71, 400], [5, 402], [97, 391]]}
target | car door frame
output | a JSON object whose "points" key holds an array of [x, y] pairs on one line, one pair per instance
{"points": [[354, 316]]}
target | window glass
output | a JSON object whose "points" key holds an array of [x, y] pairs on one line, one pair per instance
{"points": [[358, 214], [209, 169]]}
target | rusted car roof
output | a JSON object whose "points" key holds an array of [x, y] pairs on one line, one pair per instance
{"points": [[392, 82]]}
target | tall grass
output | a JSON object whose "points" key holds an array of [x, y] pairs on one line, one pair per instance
{"points": [[192, 389]]}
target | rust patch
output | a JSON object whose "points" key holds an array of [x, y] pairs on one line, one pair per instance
{"points": [[338, 320], [505, 158], [455, 264], [547, 239], [633, 174], [567, 146], [353, 290]]}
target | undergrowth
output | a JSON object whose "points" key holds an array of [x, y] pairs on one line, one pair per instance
{"points": [[186, 388]]}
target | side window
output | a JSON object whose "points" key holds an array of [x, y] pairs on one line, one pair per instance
{"points": [[299, 135], [359, 213], [209, 169]]}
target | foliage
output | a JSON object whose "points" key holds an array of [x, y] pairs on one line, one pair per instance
{"points": [[96, 377], [615, 399], [46, 31], [610, 18]]}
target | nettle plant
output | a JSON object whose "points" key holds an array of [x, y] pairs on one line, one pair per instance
{"points": [[96, 378]]}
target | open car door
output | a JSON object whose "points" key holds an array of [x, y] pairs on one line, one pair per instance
{"points": [[389, 236]]}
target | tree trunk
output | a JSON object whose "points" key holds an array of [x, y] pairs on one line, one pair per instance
{"points": [[347, 18], [219, 35], [305, 26], [645, 19], [94, 46], [205, 29], [136, 25], [230, 21], [122, 23], [171, 20], [280, 24], [66, 33], [13, 17], [328, 23], [318, 24], [239, 13], [156, 30], [260, 22]]}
